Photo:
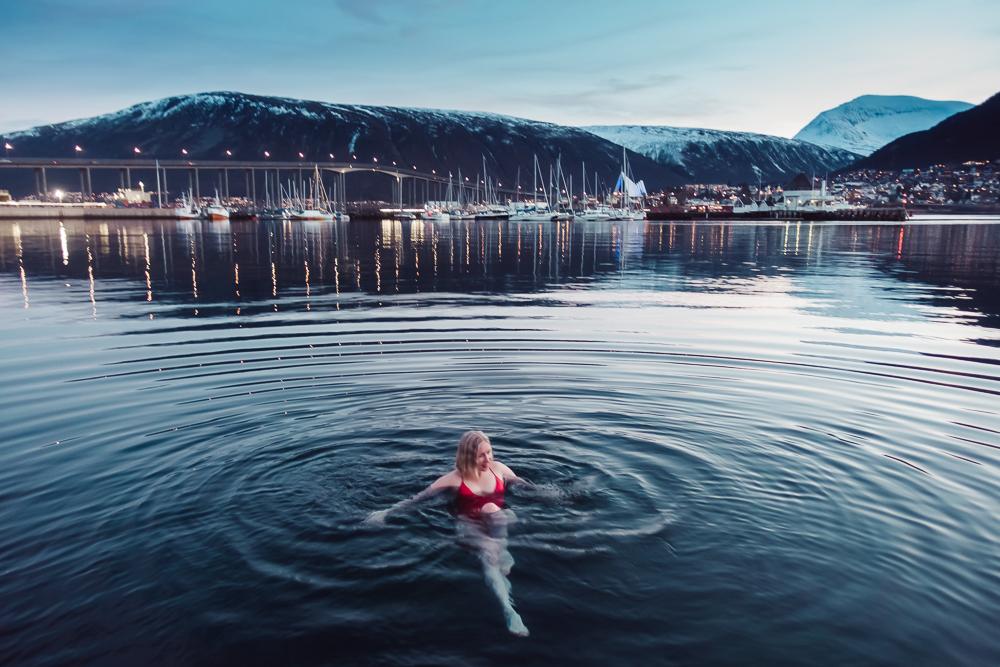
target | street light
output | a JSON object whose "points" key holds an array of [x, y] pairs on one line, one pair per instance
{"points": [[184, 151], [267, 154], [78, 148], [229, 153], [135, 149], [331, 156], [301, 156], [59, 195]]}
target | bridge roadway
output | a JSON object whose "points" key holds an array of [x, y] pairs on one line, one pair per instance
{"points": [[250, 168]]}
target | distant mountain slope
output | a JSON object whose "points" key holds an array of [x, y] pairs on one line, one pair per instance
{"points": [[969, 135], [208, 124], [718, 156], [869, 122]]}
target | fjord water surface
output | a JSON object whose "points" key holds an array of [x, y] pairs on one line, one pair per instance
{"points": [[760, 444]]}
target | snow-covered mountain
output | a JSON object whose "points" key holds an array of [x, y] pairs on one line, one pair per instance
{"points": [[869, 122], [718, 156], [968, 135], [206, 125]]}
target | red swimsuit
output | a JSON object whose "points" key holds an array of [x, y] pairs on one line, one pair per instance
{"points": [[471, 504]]}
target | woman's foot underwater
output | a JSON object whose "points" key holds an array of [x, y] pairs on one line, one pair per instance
{"points": [[514, 623]]}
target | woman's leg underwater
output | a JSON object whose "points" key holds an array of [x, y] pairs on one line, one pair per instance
{"points": [[491, 543]]}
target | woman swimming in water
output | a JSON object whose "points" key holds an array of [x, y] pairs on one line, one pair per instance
{"points": [[478, 483]]}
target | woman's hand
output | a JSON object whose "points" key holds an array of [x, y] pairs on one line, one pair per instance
{"points": [[376, 518]]}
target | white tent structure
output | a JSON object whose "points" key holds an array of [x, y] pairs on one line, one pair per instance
{"points": [[629, 187]]}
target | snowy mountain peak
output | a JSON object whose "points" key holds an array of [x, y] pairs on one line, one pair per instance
{"points": [[869, 122], [718, 156]]}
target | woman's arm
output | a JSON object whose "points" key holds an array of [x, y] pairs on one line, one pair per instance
{"points": [[442, 483], [510, 477], [527, 487]]}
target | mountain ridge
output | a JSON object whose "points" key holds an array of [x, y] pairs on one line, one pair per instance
{"points": [[868, 122], [208, 124], [967, 135], [723, 156]]}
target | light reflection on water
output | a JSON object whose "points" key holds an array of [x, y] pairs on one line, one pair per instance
{"points": [[769, 443]]}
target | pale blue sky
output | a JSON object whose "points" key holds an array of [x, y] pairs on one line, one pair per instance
{"points": [[762, 66]]}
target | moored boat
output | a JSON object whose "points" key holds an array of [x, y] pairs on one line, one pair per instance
{"points": [[187, 210], [216, 211]]}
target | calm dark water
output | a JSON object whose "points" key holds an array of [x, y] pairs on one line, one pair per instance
{"points": [[773, 444]]}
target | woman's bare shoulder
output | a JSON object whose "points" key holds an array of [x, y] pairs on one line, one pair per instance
{"points": [[503, 469], [449, 479]]}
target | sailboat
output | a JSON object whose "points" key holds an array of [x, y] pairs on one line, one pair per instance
{"points": [[317, 212], [463, 211], [187, 210], [490, 209], [534, 211], [562, 212], [586, 213]]}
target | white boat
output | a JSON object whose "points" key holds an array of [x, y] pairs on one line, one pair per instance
{"points": [[594, 214], [535, 212], [489, 208], [216, 211], [493, 212], [532, 217], [187, 210], [315, 208], [312, 214], [273, 214], [627, 214]]}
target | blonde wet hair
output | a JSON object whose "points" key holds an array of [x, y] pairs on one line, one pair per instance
{"points": [[468, 447]]}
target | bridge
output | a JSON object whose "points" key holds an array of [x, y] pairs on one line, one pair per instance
{"points": [[430, 183]]}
